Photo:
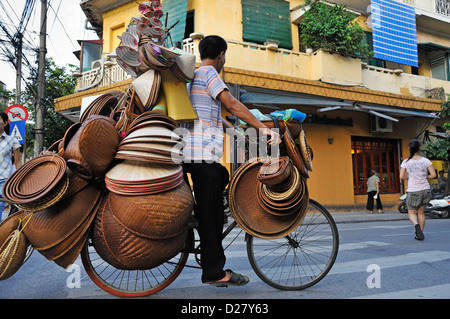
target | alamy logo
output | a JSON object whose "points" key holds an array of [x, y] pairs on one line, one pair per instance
{"points": [[374, 279]]}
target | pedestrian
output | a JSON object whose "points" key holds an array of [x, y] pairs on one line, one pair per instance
{"points": [[442, 182], [417, 170], [373, 192], [202, 153], [9, 147]]}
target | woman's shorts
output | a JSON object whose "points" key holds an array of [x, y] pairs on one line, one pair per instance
{"points": [[416, 199]]}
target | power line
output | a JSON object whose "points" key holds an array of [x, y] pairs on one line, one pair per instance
{"points": [[62, 25]]}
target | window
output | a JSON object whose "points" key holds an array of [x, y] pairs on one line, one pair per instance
{"points": [[374, 62], [380, 155], [264, 20], [175, 14], [439, 65]]}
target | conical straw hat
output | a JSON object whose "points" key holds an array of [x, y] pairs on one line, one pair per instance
{"points": [[144, 86], [128, 55], [138, 171], [155, 131]]}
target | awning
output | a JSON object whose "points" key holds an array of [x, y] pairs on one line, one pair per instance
{"points": [[429, 46], [292, 99], [287, 99], [403, 113]]}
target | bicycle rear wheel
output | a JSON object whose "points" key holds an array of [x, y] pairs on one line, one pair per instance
{"points": [[133, 283], [301, 259]]}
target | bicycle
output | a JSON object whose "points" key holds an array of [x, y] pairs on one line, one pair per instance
{"points": [[294, 262]]}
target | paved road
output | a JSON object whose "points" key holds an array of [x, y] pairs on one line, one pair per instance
{"points": [[378, 259]]}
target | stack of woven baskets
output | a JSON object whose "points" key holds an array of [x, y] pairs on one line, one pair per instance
{"points": [[268, 198], [137, 209], [114, 174]]}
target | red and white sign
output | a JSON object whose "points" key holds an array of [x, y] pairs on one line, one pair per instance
{"points": [[17, 112]]}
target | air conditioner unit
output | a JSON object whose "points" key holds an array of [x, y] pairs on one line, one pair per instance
{"points": [[96, 64], [380, 124]]}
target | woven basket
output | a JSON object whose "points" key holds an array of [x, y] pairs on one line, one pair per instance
{"points": [[125, 250], [250, 215], [157, 216], [54, 230], [294, 153], [13, 246], [91, 149]]}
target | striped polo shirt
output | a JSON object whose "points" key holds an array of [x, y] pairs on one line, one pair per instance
{"points": [[204, 137]]}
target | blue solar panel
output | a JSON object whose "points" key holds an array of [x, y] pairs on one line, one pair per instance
{"points": [[394, 32]]}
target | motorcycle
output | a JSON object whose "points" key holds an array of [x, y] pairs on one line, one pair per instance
{"points": [[439, 205]]}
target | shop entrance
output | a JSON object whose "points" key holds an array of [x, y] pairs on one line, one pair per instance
{"points": [[380, 155]]}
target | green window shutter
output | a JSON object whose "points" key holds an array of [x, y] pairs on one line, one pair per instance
{"points": [[267, 20], [175, 10]]}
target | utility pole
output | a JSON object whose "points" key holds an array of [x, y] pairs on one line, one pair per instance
{"points": [[40, 100], [18, 68]]}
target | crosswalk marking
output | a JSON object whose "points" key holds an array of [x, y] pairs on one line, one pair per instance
{"points": [[433, 292], [389, 262], [190, 278]]}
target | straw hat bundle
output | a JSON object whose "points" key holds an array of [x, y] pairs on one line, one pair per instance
{"points": [[151, 138]]}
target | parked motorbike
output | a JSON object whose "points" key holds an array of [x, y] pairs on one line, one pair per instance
{"points": [[439, 205]]}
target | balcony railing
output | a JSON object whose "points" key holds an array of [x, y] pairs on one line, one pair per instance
{"points": [[442, 7], [102, 76], [272, 60]]}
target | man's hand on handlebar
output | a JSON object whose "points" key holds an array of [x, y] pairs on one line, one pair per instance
{"points": [[275, 138]]}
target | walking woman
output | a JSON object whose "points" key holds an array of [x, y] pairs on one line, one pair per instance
{"points": [[373, 192], [417, 170]]}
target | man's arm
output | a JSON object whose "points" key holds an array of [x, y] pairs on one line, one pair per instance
{"points": [[242, 112], [17, 160]]}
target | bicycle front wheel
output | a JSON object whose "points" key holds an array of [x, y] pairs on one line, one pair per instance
{"points": [[133, 283], [301, 259]]}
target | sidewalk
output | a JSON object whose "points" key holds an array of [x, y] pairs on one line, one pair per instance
{"points": [[364, 216]]}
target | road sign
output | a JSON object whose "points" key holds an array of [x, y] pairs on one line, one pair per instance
{"points": [[17, 130], [17, 112]]}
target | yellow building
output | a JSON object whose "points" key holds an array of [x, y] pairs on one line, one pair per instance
{"points": [[360, 116]]}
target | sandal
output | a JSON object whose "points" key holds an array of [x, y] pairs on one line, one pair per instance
{"points": [[419, 234], [235, 280]]}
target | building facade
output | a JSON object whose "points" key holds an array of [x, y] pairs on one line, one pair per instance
{"points": [[360, 116]]}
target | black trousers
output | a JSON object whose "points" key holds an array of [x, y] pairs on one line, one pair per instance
{"points": [[370, 196], [209, 181]]}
